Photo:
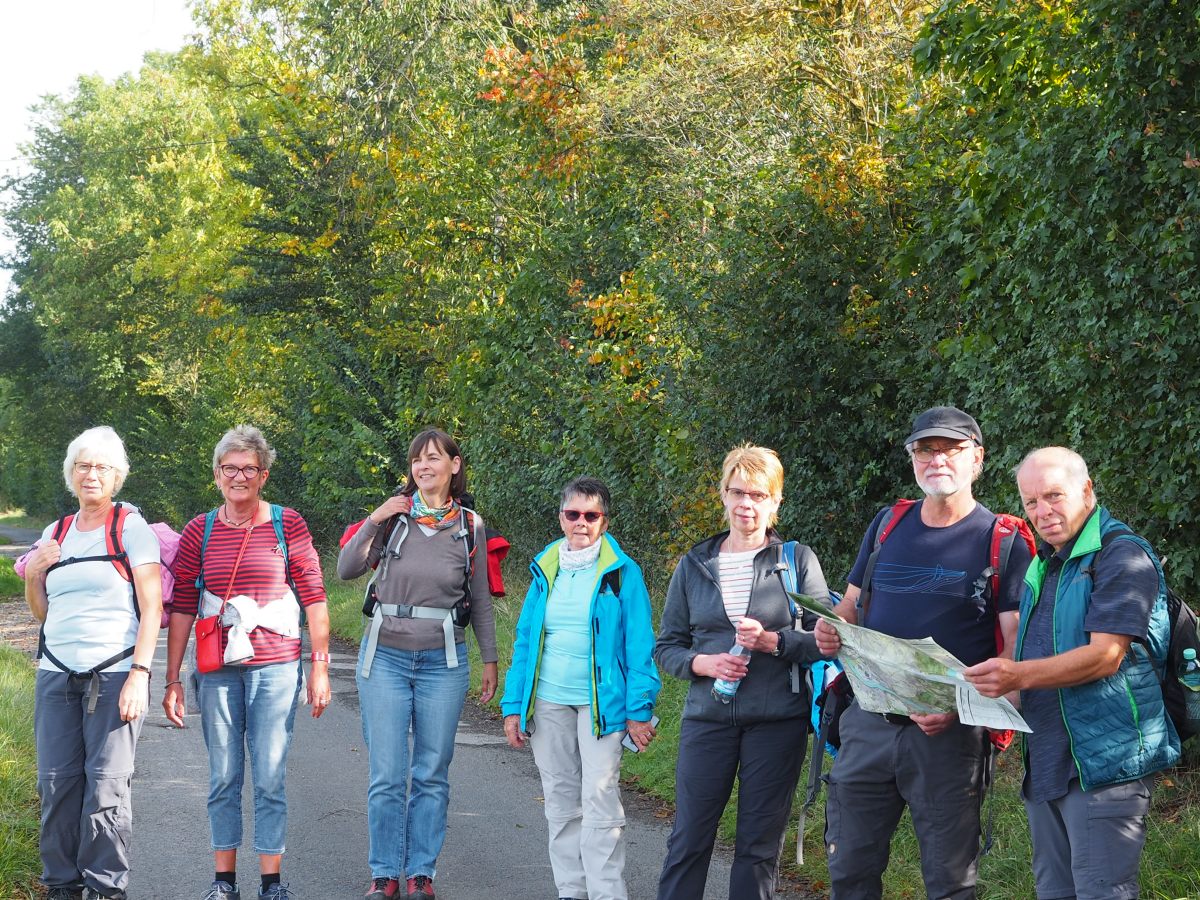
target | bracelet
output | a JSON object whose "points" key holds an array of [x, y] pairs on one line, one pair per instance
{"points": [[138, 667], [319, 657], [169, 683]]}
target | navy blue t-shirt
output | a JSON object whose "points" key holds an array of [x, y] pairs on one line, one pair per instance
{"points": [[1124, 588], [924, 582]]}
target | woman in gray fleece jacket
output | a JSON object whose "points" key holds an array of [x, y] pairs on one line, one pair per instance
{"points": [[730, 589], [412, 664]]}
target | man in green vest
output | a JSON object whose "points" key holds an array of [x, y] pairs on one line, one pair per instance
{"points": [[1092, 640]]}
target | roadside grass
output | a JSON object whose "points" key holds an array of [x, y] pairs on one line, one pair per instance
{"points": [[17, 519], [19, 861], [10, 584], [1170, 866]]}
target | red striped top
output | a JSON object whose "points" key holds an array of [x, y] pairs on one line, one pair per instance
{"points": [[260, 575]]}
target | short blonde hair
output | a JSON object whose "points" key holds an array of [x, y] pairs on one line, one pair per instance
{"points": [[102, 444], [244, 438], [759, 466]]}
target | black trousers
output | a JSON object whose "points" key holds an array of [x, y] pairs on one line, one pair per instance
{"points": [[766, 758]]}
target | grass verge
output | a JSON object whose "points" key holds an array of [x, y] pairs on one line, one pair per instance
{"points": [[19, 862], [1170, 866], [10, 584], [17, 519]]}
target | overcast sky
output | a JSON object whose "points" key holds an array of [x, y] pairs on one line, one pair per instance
{"points": [[46, 44]]}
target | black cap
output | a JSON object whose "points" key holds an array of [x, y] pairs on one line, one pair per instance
{"points": [[947, 422]]}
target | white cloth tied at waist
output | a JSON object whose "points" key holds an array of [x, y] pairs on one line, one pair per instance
{"points": [[244, 614]]}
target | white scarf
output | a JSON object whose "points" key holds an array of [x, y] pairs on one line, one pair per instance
{"points": [[576, 560]]}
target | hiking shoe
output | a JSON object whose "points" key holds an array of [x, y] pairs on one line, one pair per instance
{"points": [[64, 892], [222, 890], [276, 891], [421, 887], [382, 889], [93, 894]]}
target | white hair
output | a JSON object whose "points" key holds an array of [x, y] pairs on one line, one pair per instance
{"points": [[1070, 461], [102, 445]]}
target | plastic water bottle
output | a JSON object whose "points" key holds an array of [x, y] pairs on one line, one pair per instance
{"points": [[724, 690], [1189, 677]]}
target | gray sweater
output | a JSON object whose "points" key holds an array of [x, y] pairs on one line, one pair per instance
{"points": [[694, 622], [428, 572]]}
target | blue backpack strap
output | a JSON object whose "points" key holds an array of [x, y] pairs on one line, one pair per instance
{"points": [[210, 519], [277, 524], [789, 575]]}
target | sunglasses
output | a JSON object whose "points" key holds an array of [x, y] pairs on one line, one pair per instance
{"points": [[572, 515]]}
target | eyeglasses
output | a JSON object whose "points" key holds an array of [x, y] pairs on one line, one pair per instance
{"points": [[926, 454], [248, 472], [572, 515], [753, 496], [82, 468]]}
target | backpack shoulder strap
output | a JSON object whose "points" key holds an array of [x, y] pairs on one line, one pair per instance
{"points": [[210, 519], [891, 518], [277, 524], [114, 540], [1006, 530], [62, 526], [612, 580]]}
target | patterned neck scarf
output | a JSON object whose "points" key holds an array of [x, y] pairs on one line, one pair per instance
{"points": [[436, 518], [577, 560]]}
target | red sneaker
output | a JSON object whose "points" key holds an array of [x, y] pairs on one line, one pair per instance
{"points": [[421, 887], [383, 889]]}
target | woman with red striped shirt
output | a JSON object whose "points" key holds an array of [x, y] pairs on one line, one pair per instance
{"points": [[258, 586]]}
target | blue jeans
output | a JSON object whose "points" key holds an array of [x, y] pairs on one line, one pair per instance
{"points": [[255, 707], [409, 690]]}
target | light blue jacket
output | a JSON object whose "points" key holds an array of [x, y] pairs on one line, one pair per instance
{"points": [[624, 680], [1118, 726]]}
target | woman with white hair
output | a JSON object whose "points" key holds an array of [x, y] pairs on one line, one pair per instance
{"points": [[93, 583], [252, 566]]}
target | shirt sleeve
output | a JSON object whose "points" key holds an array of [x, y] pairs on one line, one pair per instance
{"points": [[1124, 587], [858, 570], [140, 541], [185, 598], [1012, 585], [304, 565]]}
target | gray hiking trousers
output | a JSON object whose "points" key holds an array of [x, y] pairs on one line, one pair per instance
{"points": [[85, 765], [882, 767]]}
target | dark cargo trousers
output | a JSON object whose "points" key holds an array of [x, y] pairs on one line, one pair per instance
{"points": [[766, 758], [882, 767], [85, 765]]}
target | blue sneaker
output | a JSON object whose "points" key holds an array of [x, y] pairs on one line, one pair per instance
{"points": [[222, 890], [276, 891]]}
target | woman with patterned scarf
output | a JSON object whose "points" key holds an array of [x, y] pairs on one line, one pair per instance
{"points": [[412, 665]]}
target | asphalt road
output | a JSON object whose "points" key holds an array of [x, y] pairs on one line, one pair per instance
{"points": [[496, 839]]}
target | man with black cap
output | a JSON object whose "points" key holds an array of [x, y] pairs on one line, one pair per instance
{"points": [[921, 572]]}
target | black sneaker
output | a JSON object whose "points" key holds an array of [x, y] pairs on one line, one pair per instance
{"points": [[222, 890], [383, 889], [64, 892]]}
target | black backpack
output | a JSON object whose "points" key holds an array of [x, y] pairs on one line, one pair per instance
{"points": [[1184, 635]]}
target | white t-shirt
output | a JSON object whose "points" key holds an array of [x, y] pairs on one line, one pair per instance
{"points": [[90, 615], [736, 573]]}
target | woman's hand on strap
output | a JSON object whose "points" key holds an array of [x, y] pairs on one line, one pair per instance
{"points": [[392, 506]]}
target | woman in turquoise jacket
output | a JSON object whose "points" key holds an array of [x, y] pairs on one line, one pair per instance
{"points": [[582, 677]]}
